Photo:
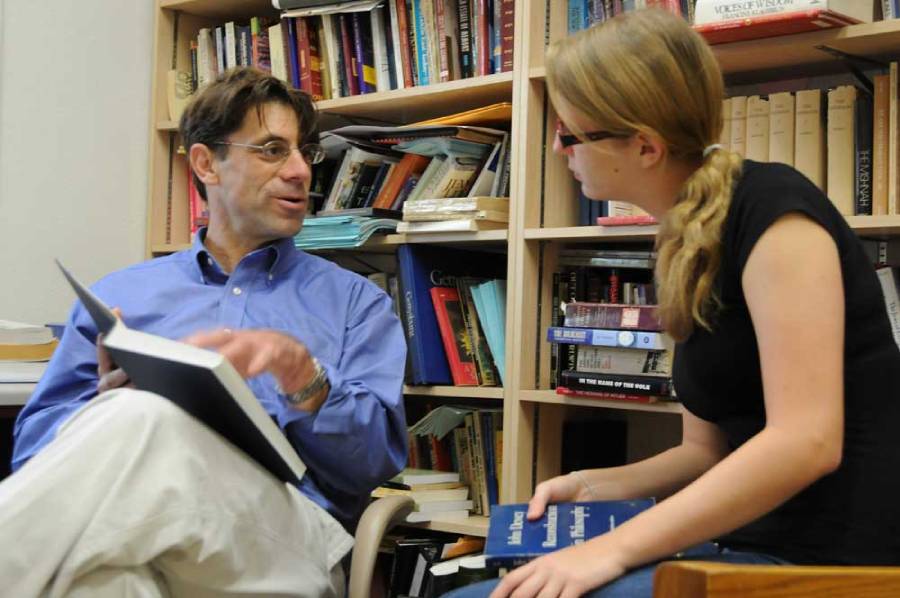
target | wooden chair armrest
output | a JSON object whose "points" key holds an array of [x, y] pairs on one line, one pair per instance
{"points": [[697, 579], [380, 516]]}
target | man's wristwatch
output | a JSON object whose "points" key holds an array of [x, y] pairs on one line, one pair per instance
{"points": [[312, 388]]}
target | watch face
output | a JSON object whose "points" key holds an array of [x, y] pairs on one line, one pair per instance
{"points": [[626, 338]]}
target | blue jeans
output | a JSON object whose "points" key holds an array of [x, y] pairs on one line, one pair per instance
{"points": [[638, 583]]}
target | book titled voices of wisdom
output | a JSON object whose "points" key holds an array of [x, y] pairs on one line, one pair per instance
{"points": [[513, 540], [201, 382]]}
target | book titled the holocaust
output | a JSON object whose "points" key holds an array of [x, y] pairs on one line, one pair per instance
{"points": [[513, 540]]}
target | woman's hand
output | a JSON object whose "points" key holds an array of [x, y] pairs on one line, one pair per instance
{"points": [[564, 488], [566, 573]]}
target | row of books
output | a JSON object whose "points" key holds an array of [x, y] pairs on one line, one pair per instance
{"points": [[428, 564], [405, 43], [452, 303], [465, 442], [843, 139], [722, 21], [383, 167], [454, 214]]}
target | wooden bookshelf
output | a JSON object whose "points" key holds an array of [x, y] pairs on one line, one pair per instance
{"points": [[460, 392], [474, 525], [543, 210], [550, 397]]}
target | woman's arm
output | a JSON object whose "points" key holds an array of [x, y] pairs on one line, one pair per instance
{"points": [[703, 445], [793, 286]]}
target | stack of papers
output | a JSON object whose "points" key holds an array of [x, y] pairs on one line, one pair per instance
{"points": [[337, 232], [21, 372], [490, 303]]}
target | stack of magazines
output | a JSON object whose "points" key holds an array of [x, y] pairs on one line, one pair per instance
{"points": [[337, 232]]}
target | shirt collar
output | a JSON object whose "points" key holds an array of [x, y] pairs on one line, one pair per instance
{"points": [[281, 256]]}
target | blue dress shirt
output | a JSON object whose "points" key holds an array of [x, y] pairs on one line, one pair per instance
{"points": [[354, 442]]}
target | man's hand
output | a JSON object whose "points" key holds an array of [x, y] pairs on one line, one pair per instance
{"points": [[253, 352], [110, 375]]}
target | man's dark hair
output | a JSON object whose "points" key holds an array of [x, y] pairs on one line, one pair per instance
{"points": [[218, 109]]}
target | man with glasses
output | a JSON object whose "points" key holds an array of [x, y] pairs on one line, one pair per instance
{"points": [[137, 498]]}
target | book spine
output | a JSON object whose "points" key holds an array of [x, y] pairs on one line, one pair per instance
{"points": [[781, 128], [606, 338], [290, 28], [350, 63], [507, 31], [457, 343], [637, 385], [880, 122], [606, 396], [465, 39], [840, 141], [603, 315], [757, 129], [440, 31], [421, 38], [809, 144], [863, 155]]}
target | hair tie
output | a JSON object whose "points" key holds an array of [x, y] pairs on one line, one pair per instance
{"points": [[711, 148]]}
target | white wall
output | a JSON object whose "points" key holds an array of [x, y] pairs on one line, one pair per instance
{"points": [[74, 110]]}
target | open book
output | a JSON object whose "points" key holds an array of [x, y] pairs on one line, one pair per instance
{"points": [[201, 382]]}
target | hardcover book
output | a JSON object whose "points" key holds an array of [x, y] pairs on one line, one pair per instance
{"points": [[202, 382], [513, 540]]}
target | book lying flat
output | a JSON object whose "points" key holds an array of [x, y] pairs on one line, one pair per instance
{"points": [[202, 382], [513, 540]]}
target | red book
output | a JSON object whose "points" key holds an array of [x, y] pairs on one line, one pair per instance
{"points": [[483, 39], [315, 61], [773, 25], [455, 336], [406, 59], [606, 396], [349, 56], [582, 314], [304, 68], [642, 220]]}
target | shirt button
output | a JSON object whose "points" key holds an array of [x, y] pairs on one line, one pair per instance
{"points": [[271, 276], [209, 261], [236, 290]]}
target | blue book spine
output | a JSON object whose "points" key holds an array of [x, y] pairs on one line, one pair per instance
{"points": [[629, 339], [422, 55], [576, 16], [513, 540], [428, 358], [293, 59]]}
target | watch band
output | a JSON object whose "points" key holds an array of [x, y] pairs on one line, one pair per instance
{"points": [[312, 388]]}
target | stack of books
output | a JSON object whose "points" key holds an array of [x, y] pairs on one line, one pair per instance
{"points": [[338, 232], [620, 352], [454, 214], [438, 495], [25, 342]]}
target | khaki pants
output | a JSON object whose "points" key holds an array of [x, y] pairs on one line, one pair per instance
{"points": [[136, 498]]}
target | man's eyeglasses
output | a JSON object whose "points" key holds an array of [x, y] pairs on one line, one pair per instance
{"points": [[276, 151], [567, 139]]}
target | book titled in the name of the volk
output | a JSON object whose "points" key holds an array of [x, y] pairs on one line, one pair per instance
{"points": [[513, 540]]}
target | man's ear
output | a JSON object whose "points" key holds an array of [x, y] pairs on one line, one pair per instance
{"points": [[203, 163], [651, 149]]}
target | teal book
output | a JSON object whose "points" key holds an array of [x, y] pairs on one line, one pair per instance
{"points": [[513, 540]]}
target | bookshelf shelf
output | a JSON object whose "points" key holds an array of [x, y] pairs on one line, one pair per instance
{"points": [[592, 233], [221, 9], [418, 103], [463, 392], [875, 225], [474, 525], [799, 50], [414, 103], [480, 237], [550, 396]]}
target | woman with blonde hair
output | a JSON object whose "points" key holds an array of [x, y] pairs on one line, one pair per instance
{"points": [[785, 362]]}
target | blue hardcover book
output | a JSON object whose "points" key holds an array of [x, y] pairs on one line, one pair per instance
{"points": [[420, 268], [629, 339], [513, 540], [293, 59]]}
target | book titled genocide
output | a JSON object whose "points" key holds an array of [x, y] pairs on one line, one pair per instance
{"points": [[202, 382], [513, 540]]}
